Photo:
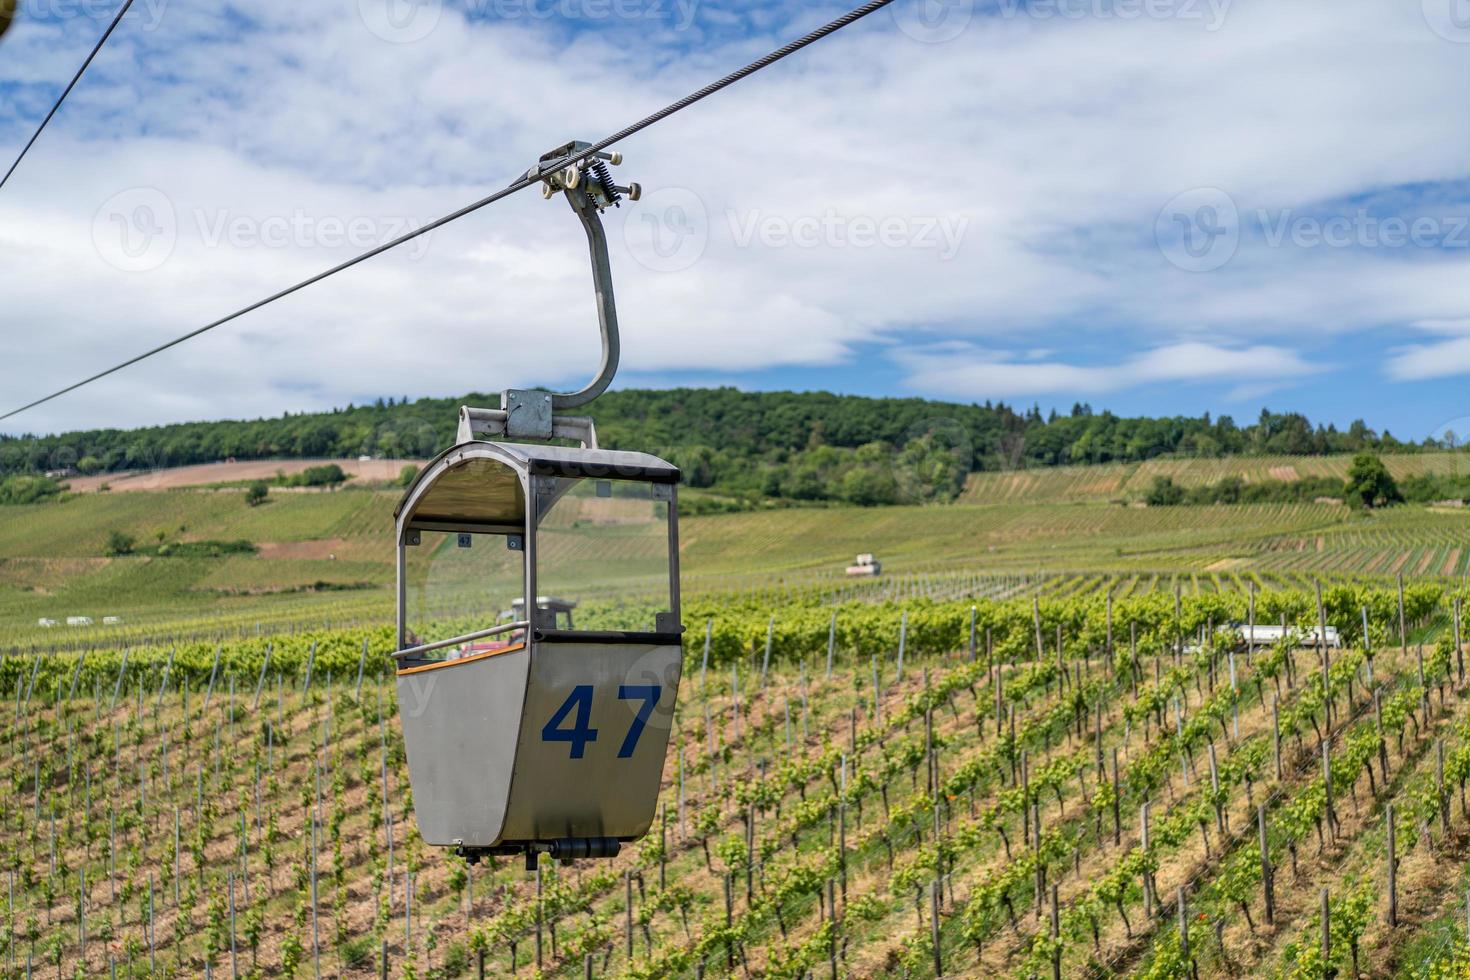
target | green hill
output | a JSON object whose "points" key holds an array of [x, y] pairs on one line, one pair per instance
{"points": [[802, 446]]}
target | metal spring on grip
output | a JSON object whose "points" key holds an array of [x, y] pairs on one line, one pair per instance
{"points": [[601, 174]]}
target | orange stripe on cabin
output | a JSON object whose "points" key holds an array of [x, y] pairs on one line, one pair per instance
{"points": [[462, 660]]}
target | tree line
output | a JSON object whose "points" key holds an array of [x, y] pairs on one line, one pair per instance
{"points": [[800, 446]]}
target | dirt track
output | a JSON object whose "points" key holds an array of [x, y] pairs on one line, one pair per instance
{"points": [[366, 471]]}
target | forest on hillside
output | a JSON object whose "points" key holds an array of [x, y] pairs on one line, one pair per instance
{"points": [[798, 446]]}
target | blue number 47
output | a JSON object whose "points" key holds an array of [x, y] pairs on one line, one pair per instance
{"points": [[581, 731]]}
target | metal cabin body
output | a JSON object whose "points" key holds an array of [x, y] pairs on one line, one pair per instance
{"points": [[524, 733]]}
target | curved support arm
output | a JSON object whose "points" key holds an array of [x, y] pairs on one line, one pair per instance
{"points": [[607, 312]]}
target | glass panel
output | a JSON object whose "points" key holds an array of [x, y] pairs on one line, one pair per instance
{"points": [[603, 553], [456, 584]]}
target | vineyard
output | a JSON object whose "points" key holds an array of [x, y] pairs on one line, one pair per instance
{"points": [[320, 559], [1095, 784], [1117, 481]]}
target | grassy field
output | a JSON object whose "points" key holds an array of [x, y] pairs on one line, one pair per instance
{"points": [[326, 557]]}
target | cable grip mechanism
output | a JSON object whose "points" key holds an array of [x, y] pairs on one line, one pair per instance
{"points": [[524, 414]]}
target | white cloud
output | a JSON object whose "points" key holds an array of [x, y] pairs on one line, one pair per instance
{"points": [[1443, 358], [1056, 142], [1425, 361], [976, 374]]}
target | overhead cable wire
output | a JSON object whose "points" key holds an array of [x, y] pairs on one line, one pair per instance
{"points": [[530, 180], [67, 91]]}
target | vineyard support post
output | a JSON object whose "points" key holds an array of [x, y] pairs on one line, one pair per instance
{"points": [[361, 664], [999, 707], [163, 684], [1235, 695], [831, 644], [1459, 640], [1117, 802], [76, 675], [1061, 667], [1367, 644], [1178, 623], [1026, 792], [903, 636], [117, 687], [1440, 795], [663, 847], [1322, 651], [729, 919], [842, 834], [260, 683], [934, 889], [1133, 655], [1326, 929], [1183, 928], [1098, 739], [1148, 891], [1215, 793], [1393, 868], [1331, 814], [234, 953], [1267, 876], [1276, 731], [1403, 626], [1040, 865], [974, 612], [176, 857], [1382, 744], [877, 692], [1250, 642], [1056, 936], [766, 660], [832, 933], [1036, 620]]}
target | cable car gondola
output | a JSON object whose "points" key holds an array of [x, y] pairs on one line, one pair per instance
{"points": [[533, 731]]}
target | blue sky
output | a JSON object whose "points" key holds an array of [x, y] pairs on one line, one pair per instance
{"points": [[1154, 206]]}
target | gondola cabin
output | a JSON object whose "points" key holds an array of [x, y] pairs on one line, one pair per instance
{"points": [[534, 731]]}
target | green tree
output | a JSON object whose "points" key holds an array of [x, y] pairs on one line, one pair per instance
{"points": [[407, 475], [27, 489], [119, 543], [1164, 493], [1229, 490], [256, 495], [869, 484], [1370, 483]]}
